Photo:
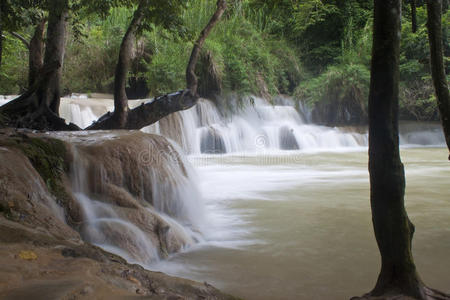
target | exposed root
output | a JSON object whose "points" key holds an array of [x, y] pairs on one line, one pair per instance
{"points": [[426, 294]]}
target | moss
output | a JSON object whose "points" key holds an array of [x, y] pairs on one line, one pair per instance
{"points": [[48, 157]]}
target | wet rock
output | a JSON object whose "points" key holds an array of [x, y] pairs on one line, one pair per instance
{"points": [[212, 142], [287, 139]]}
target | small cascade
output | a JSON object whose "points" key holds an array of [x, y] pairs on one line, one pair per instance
{"points": [[136, 194], [258, 126]]}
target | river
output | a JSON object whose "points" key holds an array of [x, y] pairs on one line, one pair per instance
{"points": [[298, 226]]}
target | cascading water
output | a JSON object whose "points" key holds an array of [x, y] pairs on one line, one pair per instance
{"points": [[136, 194], [258, 126], [262, 127]]}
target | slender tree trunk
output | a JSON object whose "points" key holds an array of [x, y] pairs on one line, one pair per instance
{"points": [[434, 24], [393, 229], [191, 78], [123, 65], [413, 15], [36, 55]]}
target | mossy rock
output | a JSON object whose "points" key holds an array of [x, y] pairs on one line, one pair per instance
{"points": [[48, 157]]}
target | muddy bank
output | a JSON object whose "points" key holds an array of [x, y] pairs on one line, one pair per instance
{"points": [[44, 252]]}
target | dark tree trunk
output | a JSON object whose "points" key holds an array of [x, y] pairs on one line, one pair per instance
{"points": [[434, 24], [393, 229], [160, 107], [38, 108], [36, 55], [191, 78], [413, 15], [120, 114]]}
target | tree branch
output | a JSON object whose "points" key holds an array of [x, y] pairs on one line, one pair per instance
{"points": [[191, 78], [21, 38]]}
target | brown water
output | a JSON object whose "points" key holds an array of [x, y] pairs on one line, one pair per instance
{"points": [[298, 226]]}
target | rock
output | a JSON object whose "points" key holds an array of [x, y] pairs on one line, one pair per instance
{"points": [[212, 142], [287, 139]]}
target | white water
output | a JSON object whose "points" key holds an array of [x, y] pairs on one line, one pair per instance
{"points": [[174, 195], [257, 127]]}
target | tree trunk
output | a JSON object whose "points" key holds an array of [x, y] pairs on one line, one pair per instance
{"points": [[191, 78], [38, 108], [434, 24], [49, 92], [413, 16], [393, 229], [36, 55], [149, 113], [120, 114], [153, 111]]}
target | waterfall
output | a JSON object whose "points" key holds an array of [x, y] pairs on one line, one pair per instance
{"points": [[136, 193], [263, 127], [256, 126]]}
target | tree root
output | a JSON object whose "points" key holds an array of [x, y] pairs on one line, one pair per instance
{"points": [[427, 294], [39, 119]]}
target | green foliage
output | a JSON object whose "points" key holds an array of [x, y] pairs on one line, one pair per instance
{"points": [[342, 83], [246, 59], [14, 69], [315, 27], [417, 98], [17, 14], [340, 93], [91, 60], [168, 62], [346, 81], [320, 49]]}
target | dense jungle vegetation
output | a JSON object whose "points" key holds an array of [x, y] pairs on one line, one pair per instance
{"points": [[316, 50]]}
